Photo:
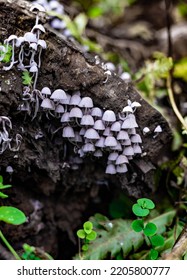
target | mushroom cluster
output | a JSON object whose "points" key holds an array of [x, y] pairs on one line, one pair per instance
{"points": [[55, 10], [5, 140], [91, 129], [30, 47]]}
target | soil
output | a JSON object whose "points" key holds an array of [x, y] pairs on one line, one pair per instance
{"points": [[55, 198]]}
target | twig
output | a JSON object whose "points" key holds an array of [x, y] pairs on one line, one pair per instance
{"points": [[173, 104], [180, 247]]}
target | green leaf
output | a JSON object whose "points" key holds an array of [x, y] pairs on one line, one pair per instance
{"points": [[81, 233], [85, 247], [12, 215], [91, 236], [139, 211], [26, 78], [81, 22], [146, 203], [1, 179], [2, 187], [150, 229], [121, 237], [153, 254], [94, 12], [157, 240], [88, 227], [137, 225], [2, 195], [7, 54], [180, 69]]}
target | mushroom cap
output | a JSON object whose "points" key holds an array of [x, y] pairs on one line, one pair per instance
{"points": [[19, 41], [65, 101], [86, 102], [113, 156], [122, 135], [128, 151], [59, 109], [30, 37], [68, 132], [146, 130], [98, 153], [97, 112], [88, 147], [78, 137], [9, 169], [132, 131], [65, 118], [46, 91], [99, 125], [100, 143], [121, 159], [158, 129], [107, 131], [118, 147], [110, 141], [42, 43], [11, 38], [116, 126], [33, 46], [82, 131], [110, 169], [58, 24], [126, 142], [121, 168], [137, 149], [47, 104], [76, 113], [37, 7], [75, 100], [92, 134], [38, 27], [81, 153], [129, 122], [136, 138], [87, 120], [135, 104], [109, 116], [127, 109], [33, 69], [58, 94]]}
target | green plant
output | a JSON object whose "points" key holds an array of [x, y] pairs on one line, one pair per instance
{"points": [[7, 54], [142, 209], [34, 253], [26, 78], [87, 234], [10, 215], [118, 240]]}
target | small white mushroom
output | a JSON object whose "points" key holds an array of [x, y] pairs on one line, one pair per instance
{"points": [[157, 130], [146, 130]]}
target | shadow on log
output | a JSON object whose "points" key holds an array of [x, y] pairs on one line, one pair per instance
{"points": [[54, 196]]}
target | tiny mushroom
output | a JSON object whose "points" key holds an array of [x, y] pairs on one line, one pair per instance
{"points": [[157, 130], [91, 134], [110, 169], [110, 141], [146, 130], [99, 125], [58, 94], [109, 116], [68, 132], [87, 120]]}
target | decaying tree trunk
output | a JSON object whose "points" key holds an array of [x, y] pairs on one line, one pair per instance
{"points": [[53, 196]]}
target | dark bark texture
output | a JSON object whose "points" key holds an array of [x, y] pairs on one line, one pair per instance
{"points": [[53, 196]]}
